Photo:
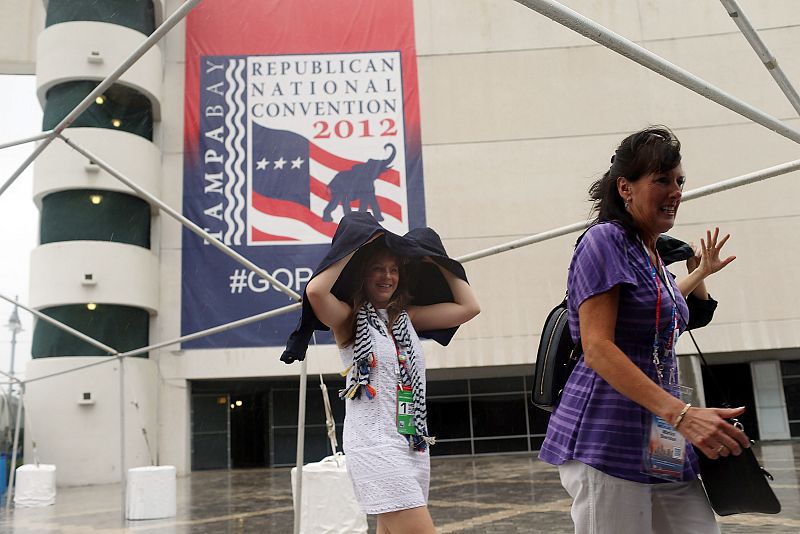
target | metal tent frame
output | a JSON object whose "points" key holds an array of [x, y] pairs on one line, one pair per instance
{"points": [[548, 8]]}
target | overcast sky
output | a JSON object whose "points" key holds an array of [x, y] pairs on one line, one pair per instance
{"points": [[20, 116]]}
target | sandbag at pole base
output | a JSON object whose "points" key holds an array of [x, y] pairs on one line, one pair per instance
{"points": [[329, 504], [35, 486]]}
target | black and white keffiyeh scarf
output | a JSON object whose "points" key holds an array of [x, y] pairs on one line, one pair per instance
{"points": [[364, 359]]}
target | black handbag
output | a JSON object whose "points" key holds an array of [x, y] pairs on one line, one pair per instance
{"points": [[738, 484], [735, 484], [555, 359]]}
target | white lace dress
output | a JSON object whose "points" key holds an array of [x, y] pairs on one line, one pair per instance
{"points": [[387, 474]]}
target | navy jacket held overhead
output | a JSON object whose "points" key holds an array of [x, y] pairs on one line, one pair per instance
{"points": [[427, 285]]}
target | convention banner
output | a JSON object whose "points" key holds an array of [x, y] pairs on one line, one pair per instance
{"points": [[295, 113]]}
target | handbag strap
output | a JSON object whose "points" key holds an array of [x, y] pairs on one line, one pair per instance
{"points": [[720, 391], [578, 345]]}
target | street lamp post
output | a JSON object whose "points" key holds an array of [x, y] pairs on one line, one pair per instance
{"points": [[15, 325]]}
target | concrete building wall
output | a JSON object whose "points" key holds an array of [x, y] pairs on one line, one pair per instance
{"points": [[20, 23], [519, 116], [81, 437], [66, 265]]}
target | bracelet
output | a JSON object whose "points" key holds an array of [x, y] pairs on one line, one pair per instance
{"points": [[679, 419]]}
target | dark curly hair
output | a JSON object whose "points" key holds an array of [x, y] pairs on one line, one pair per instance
{"points": [[652, 150]]}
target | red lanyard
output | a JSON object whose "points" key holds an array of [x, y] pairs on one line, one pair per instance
{"points": [[658, 295]]}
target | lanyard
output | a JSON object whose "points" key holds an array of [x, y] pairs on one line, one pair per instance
{"points": [[401, 361], [673, 322]]}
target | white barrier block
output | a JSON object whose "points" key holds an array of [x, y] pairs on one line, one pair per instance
{"points": [[329, 504], [35, 486], [151, 492]]}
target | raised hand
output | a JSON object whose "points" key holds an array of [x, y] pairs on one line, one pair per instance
{"points": [[710, 261]]}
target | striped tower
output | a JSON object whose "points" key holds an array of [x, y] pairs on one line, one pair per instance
{"points": [[96, 267]]}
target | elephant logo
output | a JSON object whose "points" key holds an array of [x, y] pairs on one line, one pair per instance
{"points": [[358, 184]]}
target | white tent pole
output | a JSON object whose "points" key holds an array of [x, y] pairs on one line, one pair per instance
{"points": [[26, 140], [189, 337], [217, 329], [724, 185], [760, 48], [530, 240], [211, 240], [100, 361], [731, 183], [13, 471], [301, 438], [122, 445], [602, 35], [14, 379], [745, 179], [148, 43], [62, 326]]}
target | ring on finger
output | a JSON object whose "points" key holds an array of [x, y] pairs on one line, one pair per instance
{"points": [[720, 449]]}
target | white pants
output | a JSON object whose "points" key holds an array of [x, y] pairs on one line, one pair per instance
{"points": [[603, 504]]}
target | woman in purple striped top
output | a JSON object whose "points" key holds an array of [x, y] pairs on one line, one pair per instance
{"points": [[620, 433]]}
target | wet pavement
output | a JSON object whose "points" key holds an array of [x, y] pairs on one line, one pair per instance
{"points": [[489, 494]]}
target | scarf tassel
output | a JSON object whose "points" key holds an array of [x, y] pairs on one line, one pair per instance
{"points": [[354, 391], [420, 443], [361, 378]]}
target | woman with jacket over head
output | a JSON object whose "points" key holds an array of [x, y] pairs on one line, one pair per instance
{"points": [[621, 436], [377, 337]]}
